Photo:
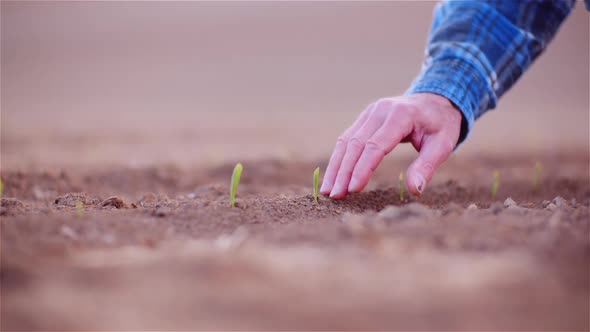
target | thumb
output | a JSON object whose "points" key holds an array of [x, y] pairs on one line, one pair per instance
{"points": [[434, 151]]}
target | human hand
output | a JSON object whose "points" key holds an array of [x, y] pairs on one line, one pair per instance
{"points": [[429, 121]]}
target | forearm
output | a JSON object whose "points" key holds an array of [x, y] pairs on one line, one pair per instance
{"points": [[477, 50]]}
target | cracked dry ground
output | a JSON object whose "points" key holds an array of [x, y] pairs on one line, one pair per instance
{"points": [[159, 248]]}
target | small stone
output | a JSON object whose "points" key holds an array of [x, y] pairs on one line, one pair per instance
{"points": [[509, 202], [68, 232], [552, 207], [472, 207], [191, 196], [560, 202], [545, 203]]}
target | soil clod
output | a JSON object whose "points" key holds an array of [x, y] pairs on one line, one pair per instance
{"points": [[114, 201], [11, 207], [72, 199]]}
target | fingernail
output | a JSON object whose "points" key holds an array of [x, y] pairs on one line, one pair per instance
{"points": [[419, 182], [337, 188], [353, 186]]}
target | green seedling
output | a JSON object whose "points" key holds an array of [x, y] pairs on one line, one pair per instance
{"points": [[537, 176], [401, 186], [80, 208], [1, 187], [495, 183], [316, 182], [235, 180]]}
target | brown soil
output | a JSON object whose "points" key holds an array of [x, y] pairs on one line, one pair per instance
{"points": [[161, 249]]}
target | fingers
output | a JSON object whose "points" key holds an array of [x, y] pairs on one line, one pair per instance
{"points": [[339, 151], [385, 139], [354, 149], [434, 151]]}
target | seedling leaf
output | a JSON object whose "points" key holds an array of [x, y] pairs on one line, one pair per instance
{"points": [[537, 176], [235, 180], [1, 187], [316, 181], [80, 208], [401, 186], [495, 183]]}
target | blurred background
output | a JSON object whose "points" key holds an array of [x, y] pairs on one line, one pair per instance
{"points": [[95, 84]]}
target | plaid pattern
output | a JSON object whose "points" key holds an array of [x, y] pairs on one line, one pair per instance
{"points": [[478, 49]]}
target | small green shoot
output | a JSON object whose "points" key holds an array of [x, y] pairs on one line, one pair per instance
{"points": [[401, 186], [1, 187], [235, 180], [80, 208], [316, 182], [537, 176], [495, 183]]}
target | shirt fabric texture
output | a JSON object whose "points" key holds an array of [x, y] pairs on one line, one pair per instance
{"points": [[477, 50]]}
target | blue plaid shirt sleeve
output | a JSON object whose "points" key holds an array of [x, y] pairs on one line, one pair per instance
{"points": [[478, 49]]}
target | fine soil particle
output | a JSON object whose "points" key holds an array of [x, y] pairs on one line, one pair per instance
{"points": [[165, 250]]}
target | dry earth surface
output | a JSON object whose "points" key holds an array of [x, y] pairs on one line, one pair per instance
{"points": [[159, 248]]}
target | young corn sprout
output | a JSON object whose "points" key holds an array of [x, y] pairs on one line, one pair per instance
{"points": [[537, 176], [495, 183], [1, 187], [235, 180], [80, 208], [401, 186], [316, 181]]}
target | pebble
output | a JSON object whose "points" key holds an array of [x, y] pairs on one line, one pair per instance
{"points": [[559, 201], [545, 203], [552, 207], [472, 207], [509, 202]]}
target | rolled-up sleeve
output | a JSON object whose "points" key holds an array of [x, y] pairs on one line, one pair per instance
{"points": [[477, 50]]}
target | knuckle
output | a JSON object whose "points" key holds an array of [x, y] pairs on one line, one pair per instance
{"points": [[428, 167], [375, 146], [342, 140], [355, 143]]}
